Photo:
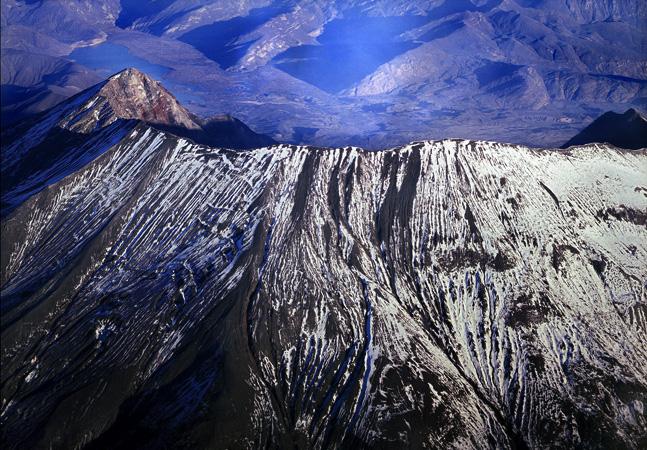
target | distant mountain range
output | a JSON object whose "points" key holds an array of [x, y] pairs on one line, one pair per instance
{"points": [[161, 293], [372, 73]]}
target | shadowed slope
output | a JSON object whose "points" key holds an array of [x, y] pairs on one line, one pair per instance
{"points": [[628, 130]]}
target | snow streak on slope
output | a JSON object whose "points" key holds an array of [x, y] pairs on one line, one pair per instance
{"points": [[447, 294], [42, 151]]}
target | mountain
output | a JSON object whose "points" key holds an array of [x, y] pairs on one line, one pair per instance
{"points": [[131, 94], [447, 294], [376, 73], [45, 149], [628, 130], [223, 131], [32, 83]]}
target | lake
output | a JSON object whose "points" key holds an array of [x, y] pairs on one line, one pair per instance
{"points": [[108, 58]]}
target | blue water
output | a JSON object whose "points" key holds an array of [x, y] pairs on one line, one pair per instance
{"points": [[109, 58]]}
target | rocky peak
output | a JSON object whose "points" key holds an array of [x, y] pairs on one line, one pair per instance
{"points": [[129, 94], [134, 95]]}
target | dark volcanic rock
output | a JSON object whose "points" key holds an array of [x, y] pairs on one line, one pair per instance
{"points": [[628, 130], [222, 131]]}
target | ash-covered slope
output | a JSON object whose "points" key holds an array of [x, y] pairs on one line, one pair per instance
{"points": [[40, 151], [628, 130], [446, 294]]}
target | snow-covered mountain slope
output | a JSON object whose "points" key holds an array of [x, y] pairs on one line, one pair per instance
{"points": [[41, 151], [449, 294]]}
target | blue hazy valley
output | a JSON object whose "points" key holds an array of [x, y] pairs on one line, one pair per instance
{"points": [[374, 74]]}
